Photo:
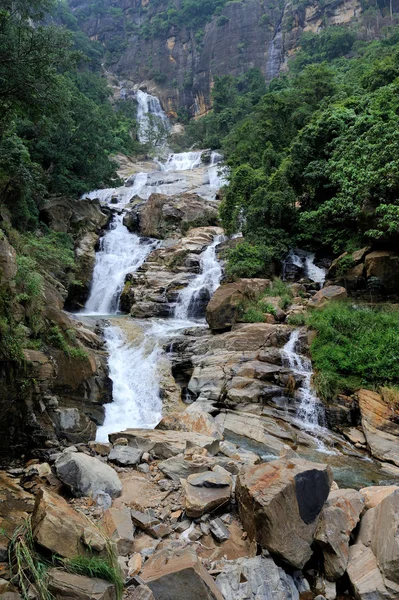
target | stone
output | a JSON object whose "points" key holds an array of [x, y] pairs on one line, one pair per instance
{"points": [[100, 448], [338, 519], [239, 454], [160, 530], [195, 420], [225, 305], [385, 539], [134, 565], [144, 520], [61, 529], [375, 494], [279, 505], [364, 575], [85, 475], [179, 575], [178, 467], [326, 295], [384, 266], [125, 456], [122, 441], [117, 524], [67, 586], [257, 578], [219, 530], [208, 492], [380, 425], [164, 444], [141, 592]]}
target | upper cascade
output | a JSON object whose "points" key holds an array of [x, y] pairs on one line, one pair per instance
{"points": [[152, 120]]}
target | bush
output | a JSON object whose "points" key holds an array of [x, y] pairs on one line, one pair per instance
{"points": [[355, 346]]}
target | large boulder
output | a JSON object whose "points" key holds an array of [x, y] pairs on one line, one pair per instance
{"points": [[86, 475], [258, 578], [280, 503], [374, 494], [226, 304], [194, 420], [59, 528], [385, 538], [67, 586], [328, 294], [380, 425], [383, 265], [179, 575], [117, 524], [338, 519], [365, 576], [164, 444]]}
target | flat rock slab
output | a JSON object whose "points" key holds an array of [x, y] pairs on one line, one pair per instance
{"points": [[258, 578], [117, 524], [210, 479], [164, 444], [202, 498], [125, 456], [66, 586], [85, 475], [279, 504], [179, 575]]}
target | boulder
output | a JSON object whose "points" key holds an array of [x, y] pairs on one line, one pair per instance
{"points": [[375, 494], [85, 475], [384, 266], [226, 304], [219, 530], [328, 294], [179, 575], [338, 519], [364, 575], [178, 467], [117, 524], [280, 503], [67, 586], [164, 444], [141, 592], [61, 529], [124, 455], [385, 538], [195, 420], [205, 492], [258, 578]]}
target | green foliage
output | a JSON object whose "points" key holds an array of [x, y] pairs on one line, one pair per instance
{"points": [[253, 315], [297, 319], [64, 341], [94, 566], [30, 292], [247, 260], [355, 346]]}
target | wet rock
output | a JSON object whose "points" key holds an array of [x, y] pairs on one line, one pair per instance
{"points": [[279, 504], [375, 494], [85, 475], [259, 578], [61, 529], [179, 575], [206, 492], [125, 456], [164, 444], [219, 530], [195, 420], [326, 295], [226, 304], [67, 586], [338, 519], [117, 524]]}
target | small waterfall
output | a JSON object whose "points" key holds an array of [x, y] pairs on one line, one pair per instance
{"points": [[153, 122], [184, 161], [217, 173], [301, 263], [275, 55], [193, 298], [133, 371], [121, 252], [310, 411], [315, 273]]}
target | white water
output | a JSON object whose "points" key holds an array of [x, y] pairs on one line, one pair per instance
{"points": [[305, 260], [153, 122], [184, 161], [206, 283], [121, 252], [310, 412]]}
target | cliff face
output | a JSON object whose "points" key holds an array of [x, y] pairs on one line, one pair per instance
{"points": [[179, 65]]}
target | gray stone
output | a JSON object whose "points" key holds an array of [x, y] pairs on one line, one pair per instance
{"points": [[210, 480], [124, 455], [86, 475], [257, 578], [219, 530], [117, 524], [144, 520]]}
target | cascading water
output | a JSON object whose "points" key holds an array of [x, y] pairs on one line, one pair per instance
{"points": [[184, 161], [201, 288], [310, 412], [299, 261], [275, 54], [153, 122]]}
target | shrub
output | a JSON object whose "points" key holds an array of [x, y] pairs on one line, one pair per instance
{"points": [[253, 315]]}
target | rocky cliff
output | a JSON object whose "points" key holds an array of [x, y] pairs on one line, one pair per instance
{"points": [[179, 63]]}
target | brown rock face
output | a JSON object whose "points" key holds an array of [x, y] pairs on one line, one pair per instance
{"points": [[61, 529], [8, 264], [379, 421], [179, 575], [384, 265], [164, 444], [224, 307], [328, 294], [279, 504], [67, 586]]}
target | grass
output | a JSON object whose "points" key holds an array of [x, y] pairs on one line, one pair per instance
{"points": [[355, 346], [95, 566], [56, 338], [297, 319], [254, 312]]}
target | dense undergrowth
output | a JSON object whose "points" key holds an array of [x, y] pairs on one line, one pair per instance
{"points": [[314, 158]]}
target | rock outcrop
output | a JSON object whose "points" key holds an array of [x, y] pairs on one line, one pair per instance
{"points": [[380, 425], [86, 475], [280, 503]]}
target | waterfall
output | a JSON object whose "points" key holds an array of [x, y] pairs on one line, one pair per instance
{"points": [[217, 173], [310, 412], [133, 371], [299, 261], [184, 161], [274, 55], [153, 122], [121, 252], [198, 292]]}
